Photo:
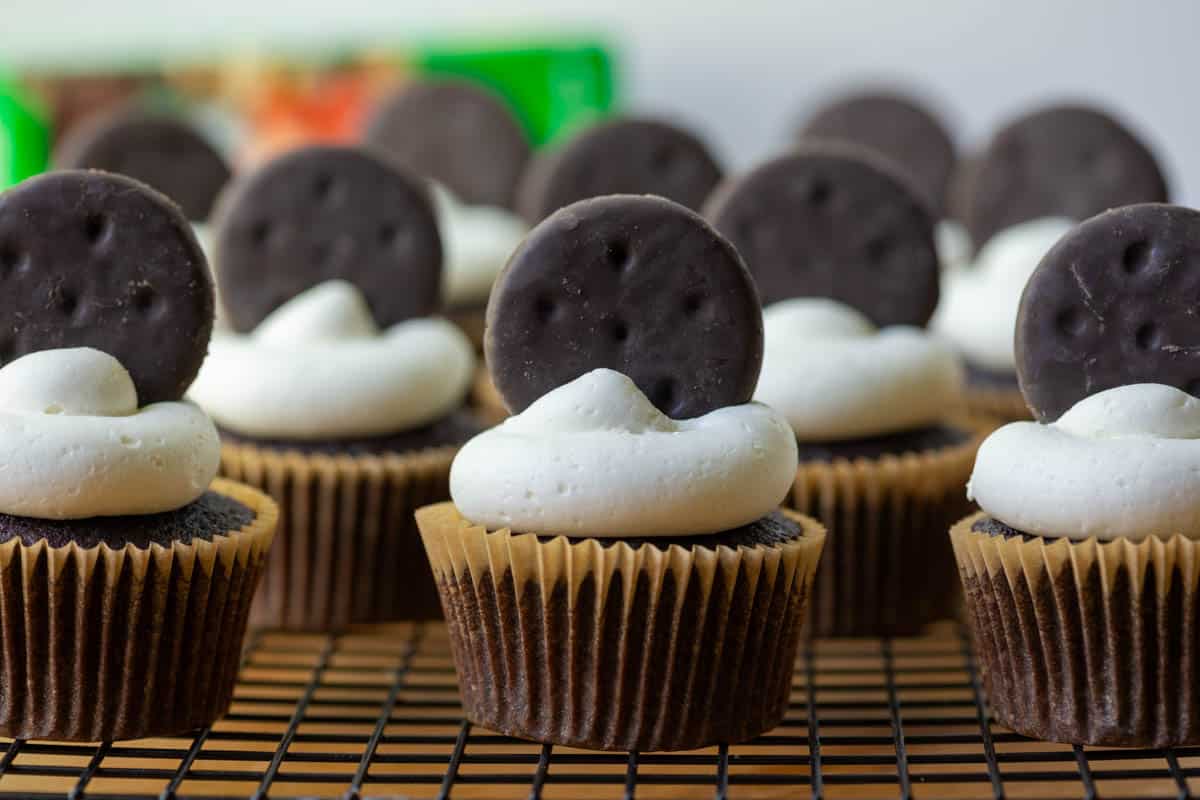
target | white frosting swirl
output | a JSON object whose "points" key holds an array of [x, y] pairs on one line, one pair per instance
{"points": [[477, 241], [595, 458], [73, 443], [834, 376], [978, 309], [318, 367], [1122, 463]]}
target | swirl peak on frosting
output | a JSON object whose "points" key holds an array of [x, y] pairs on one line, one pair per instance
{"points": [[978, 309], [318, 367], [1121, 463], [74, 444], [595, 458], [835, 376]]}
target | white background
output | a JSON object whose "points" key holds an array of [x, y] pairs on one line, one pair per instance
{"points": [[741, 72]]}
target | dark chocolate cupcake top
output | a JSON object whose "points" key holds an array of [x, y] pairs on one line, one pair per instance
{"points": [[110, 306], [1106, 351], [627, 335], [331, 264]]}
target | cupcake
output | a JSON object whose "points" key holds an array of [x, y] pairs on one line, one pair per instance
{"points": [[615, 570], [126, 571], [1081, 569], [842, 251], [336, 393], [978, 313]]}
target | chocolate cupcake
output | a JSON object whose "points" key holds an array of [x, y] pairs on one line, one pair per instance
{"points": [[1081, 570], [337, 394], [126, 572], [843, 251], [615, 571]]}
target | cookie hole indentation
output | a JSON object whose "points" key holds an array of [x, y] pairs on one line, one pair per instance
{"points": [[819, 193], [143, 299], [10, 259], [67, 301], [1070, 322], [95, 227], [1148, 336], [620, 331], [1136, 258], [543, 308], [878, 249], [692, 303], [617, 254], [662, 395], [323, 188], [662, 159], [260, 233]]}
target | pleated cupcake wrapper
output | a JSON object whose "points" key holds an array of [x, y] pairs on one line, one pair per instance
{"points": [[102, 643], [888, 569], [1086, 642], [1003, 405], [600, 645], [348, 550], [486, 400]]}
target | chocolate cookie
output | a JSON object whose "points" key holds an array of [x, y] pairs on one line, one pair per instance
{"points": [[833, 221], [161, 151], [637, 284], [1112, 303], [89, 259], [623, 156], [321, 213], [897, 128], [457, 133], [1061, 161]]}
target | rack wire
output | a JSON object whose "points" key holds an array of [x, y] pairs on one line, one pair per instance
{"points": [[374, 713]]}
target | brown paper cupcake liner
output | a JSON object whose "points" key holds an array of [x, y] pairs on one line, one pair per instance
{"points": [[888, 569], [485, 398], [102, 643], [348, 550], [604, 646], [1083, 641], [1002, 405]]}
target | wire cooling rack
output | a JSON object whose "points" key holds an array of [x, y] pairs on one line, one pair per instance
{"points": [[375, 713]]}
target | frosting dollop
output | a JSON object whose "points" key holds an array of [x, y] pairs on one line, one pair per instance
{"points": [[835, 376], [477, 241], [978, 309], [1122, 463], [318, 367], [595, 458], [74, 444], [953, 245]]}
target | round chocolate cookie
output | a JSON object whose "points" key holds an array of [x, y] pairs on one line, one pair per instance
{"points": [[897, 128], [637, 284], [323, 213], [457, 133], [161, 151], [1061, 161], [622, 156], [89, 259], [834, 221], [1112, 303]]}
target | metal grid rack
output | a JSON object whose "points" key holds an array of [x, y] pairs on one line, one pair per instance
{"points": [[374, 713]]}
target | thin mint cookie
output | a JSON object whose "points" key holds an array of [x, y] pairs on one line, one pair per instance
{"points": [[90, 259], [896, 127], [161, 151], [622, 156], [1061, 161], [457, 133], [838, 222], [636, 284], [1112, 303], [325, 213]]}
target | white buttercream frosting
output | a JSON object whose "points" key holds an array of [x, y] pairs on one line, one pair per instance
{"points": [[595, 458], [978, 308], [953, 245], [74, 444], [835, 376], [1122, 463], [318, 367], [477, 241]]}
